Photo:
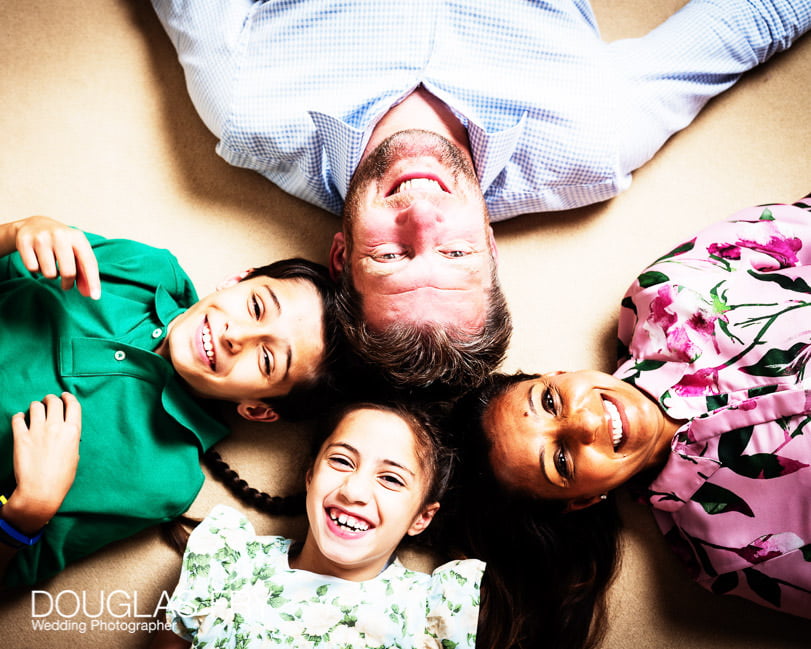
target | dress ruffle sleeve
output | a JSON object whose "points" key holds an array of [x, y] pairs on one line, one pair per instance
{"points": [[453, 604], [218, 558]]}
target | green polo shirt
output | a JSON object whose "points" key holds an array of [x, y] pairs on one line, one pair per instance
{"points": [[142, 432]]}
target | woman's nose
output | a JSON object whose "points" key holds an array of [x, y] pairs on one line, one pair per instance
{"points": [[582, 425]]}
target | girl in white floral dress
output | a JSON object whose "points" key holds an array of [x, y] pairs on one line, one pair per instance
{"points": [[377, 478]]}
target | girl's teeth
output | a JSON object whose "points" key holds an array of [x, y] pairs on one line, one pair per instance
{"points": [[351, 522]]}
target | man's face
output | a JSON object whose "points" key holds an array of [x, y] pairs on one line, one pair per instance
{"points": [[417, 238]]}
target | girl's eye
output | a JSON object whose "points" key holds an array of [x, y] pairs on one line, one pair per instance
{"points": [[562, 464], [266, 359], [392, 480], [339, 462], [256, 307]]}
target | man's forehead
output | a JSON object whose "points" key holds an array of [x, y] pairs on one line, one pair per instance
{"points": [[462, 308]]}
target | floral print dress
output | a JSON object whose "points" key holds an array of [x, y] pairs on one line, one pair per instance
{"points": [[718, 331], [237, 590]]}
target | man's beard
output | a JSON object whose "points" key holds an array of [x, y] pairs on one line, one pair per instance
{"points": [[413, 142]]}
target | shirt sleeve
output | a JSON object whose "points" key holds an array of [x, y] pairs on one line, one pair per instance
{"points": [[216, 553], [453, 603], [206, 37], [665, 78]]}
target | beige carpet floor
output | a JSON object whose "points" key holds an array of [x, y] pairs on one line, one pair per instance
{"points": [[97, 130]]}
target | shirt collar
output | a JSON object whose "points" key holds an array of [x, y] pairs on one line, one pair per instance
{"points": [[344, 145], [194, 414]]}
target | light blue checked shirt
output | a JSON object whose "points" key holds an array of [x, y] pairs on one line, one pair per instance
{"points": [[557, 118]]}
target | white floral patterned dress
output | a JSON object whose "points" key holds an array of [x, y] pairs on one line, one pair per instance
{"points": [[237, 590]]}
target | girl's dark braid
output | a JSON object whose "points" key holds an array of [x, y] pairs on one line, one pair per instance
{"points": [[275, 505]]}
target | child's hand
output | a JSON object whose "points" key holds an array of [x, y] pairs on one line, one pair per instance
{"points": [[54, 249], [46, 453]]}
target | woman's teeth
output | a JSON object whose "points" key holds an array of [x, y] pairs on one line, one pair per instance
{"points": [[208, 346], [346, 520], [616, 423]]}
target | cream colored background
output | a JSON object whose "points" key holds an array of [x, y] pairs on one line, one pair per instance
{"points": [[97, 130]]}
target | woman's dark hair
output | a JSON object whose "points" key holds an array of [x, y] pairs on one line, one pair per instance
{"points": [[548, 571], [317, 394]]}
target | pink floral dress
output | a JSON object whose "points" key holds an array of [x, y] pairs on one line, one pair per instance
{"points": [[718, 331]]}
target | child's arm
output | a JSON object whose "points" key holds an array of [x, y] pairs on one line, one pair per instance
{"points": [[46, 453], [53, 249], [167, 640]]}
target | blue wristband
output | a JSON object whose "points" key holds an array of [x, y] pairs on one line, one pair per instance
{"points": [[10, 535]]}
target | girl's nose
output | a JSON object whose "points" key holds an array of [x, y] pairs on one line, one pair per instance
{"points": [[355, 488]]}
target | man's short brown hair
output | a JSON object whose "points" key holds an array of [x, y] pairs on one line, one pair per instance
{"points": [[427, 354]]}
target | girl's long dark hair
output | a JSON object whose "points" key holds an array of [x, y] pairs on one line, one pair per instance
{"points": [[548, 572]]}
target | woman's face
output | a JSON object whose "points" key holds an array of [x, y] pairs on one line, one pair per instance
{"points": [[365, 492], [574, 435]]}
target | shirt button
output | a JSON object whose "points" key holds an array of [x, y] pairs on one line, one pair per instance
{"points": [[157, 333], [120, 355]]}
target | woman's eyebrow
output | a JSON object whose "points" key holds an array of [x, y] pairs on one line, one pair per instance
{"points": [[530, 400], [541, 457]]}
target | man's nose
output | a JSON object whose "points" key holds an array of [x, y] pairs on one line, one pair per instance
{"points": [[421, 214]]}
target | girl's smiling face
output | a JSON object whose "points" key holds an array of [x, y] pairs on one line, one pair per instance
{"points": [[365, 492]]}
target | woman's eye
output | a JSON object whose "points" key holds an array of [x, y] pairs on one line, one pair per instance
{"points": [[267, 361], [256, 307], [562, 464], [548, 401]]}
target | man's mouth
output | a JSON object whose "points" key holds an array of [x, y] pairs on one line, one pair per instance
{"points": [[617, 435], [347, 521], [420, 184], [208, 345]]}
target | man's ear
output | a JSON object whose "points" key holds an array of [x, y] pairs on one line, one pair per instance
{"points": [[423, 519], [582, 502], [234, 279], [337, 256], [257, 411]]}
